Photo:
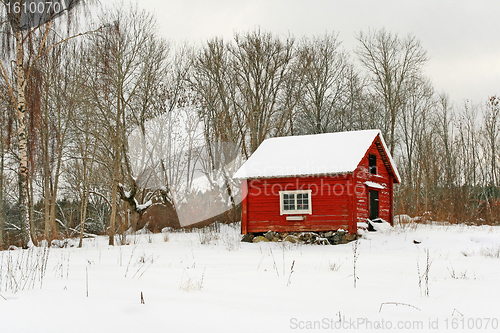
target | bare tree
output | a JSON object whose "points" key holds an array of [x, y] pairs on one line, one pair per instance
{"points": [[491, 132], [246, 92], [468, 179], [446, 153], [414, 130], [84, 163], [214, 80], [5, 129], [262, 65], [324, 104], [19, 30], [444, 123], [126, 63], [392, 63], [60, 94]]}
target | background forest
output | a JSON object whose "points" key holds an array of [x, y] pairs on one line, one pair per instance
{"points": [[121, 125]]}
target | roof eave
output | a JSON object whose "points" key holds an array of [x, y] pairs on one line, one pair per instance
{"points": [[296, 176], [392, 166]]}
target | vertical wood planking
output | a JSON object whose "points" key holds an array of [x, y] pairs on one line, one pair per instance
{"points": [[244, 206]]}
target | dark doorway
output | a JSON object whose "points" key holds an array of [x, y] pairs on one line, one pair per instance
{"points": [[374, 206]]}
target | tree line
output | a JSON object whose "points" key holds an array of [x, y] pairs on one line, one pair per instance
{"points": [[98, 130]]}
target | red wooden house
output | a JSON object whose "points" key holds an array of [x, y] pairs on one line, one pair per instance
{"points": [[318, 182]]}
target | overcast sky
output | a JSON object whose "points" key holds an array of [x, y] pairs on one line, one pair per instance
{"points": [[462, 38]]}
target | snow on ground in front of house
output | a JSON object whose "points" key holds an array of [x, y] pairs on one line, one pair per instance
{"points": [[228, 286]]}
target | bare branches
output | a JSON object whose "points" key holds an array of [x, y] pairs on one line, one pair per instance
{"points": [[328, 81], [392, 63], [7, 83]]}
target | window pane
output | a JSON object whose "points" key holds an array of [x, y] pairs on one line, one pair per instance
{"points": [[372, 164], [303, 201], [295, 202], [289, 201]]}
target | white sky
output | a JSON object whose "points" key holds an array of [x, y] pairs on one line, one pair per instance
{"points": [[461, 37]]}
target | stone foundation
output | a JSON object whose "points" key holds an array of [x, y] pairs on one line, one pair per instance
{"points": [[307, 237]]}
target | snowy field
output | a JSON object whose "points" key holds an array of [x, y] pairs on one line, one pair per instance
{"points": [[210, 282]]}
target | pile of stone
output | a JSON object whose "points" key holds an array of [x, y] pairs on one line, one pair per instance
{"points": [[319, 238]]}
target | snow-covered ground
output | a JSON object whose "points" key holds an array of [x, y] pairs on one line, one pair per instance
{"points": [[223, 285]]}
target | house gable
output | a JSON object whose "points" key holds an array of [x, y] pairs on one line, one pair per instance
{"points": [[381, 182]]}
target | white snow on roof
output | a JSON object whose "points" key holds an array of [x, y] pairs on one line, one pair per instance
{"points": [[318, 154], [374, 185]]}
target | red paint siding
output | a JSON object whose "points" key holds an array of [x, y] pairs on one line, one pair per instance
{"points": [[329, 199], [244, 206], [382, 177]]}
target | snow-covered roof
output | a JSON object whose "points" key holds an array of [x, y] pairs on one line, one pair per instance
{"points": [[318, 154]]}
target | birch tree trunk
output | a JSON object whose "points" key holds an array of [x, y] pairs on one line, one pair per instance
{"points": [[22, 135]]}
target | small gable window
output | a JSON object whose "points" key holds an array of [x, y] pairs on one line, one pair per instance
{"points": [[372, 164], [295, 202]]}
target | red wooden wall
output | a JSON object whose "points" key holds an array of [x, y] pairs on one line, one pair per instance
{"points": [[382, 177], [330, 199]]}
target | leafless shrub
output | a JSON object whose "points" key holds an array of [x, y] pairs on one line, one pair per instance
{"points": [[22, 269], [459, 275], [290, 276], [334, 266], [192, 284], [130, 259], [355, 255], [274, 261], [491, 252], [62, 266], [231, 236], [208, 235], [423, 278], [227, 234], [143, 263]]}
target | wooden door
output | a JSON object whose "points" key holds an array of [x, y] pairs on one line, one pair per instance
{"points": [[374, 204]]}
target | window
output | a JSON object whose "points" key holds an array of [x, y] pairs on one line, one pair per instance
{"points": [[372, 164], [295, 202]]}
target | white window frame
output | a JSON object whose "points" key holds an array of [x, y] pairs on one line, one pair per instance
{"points": [[296, 211]]}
